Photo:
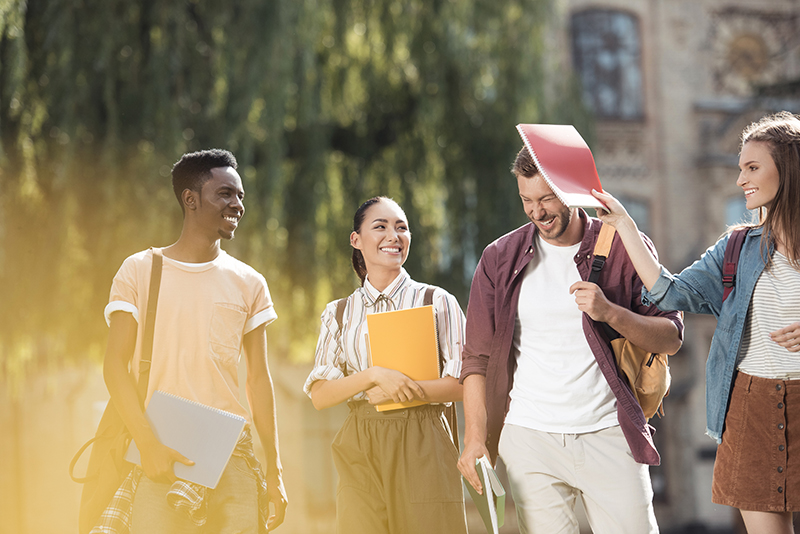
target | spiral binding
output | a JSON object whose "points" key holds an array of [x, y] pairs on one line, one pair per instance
{"points": [[539, 166], [200, 404]]}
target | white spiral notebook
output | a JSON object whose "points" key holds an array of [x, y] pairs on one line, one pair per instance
{"points": [[205, 435]]}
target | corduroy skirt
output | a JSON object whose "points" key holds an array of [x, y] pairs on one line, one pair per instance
{"points": [[758, 462]]}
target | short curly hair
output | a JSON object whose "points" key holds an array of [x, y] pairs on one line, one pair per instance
{"points": [[194, 169]]}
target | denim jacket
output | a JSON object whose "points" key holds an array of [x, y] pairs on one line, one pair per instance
{"points": [[698, 289]]}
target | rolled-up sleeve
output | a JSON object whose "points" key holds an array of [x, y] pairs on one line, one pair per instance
{"points": [[659, 288], [122, 306], [451, 325], [262, 310], [124, 296], [328, 362]]}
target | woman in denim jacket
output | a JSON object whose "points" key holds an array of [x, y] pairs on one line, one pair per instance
{"points": [[753, 368]]}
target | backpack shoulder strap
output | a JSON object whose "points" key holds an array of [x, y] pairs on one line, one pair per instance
{"points": [[427, 300], [733, 250], [450, 411], [340, 305], [601, 249]]}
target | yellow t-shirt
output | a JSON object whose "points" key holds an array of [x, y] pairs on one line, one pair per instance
{"points": [[204, 311]]}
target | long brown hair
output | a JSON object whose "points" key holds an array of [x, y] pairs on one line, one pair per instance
{"points": [[781, 133]]}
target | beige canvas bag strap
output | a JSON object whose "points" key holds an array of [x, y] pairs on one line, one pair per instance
{"points": [[601, 249], [604, 240]]}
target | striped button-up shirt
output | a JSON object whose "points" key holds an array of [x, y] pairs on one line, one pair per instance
{"points": [[342, 353]]}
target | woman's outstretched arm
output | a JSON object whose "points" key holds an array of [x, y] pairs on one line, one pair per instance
{"points": [[646, 265]]}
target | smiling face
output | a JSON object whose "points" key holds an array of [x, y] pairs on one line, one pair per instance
{"points": [[758, 176], [557, 224], [218, 207], [384, 237]]}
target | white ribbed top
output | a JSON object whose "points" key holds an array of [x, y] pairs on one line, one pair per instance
{"points": [[775, 304]]}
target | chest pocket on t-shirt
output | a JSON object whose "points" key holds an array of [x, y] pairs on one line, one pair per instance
{"points": [[225, 337]]}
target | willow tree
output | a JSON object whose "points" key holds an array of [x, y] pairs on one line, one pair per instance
{"points": [[325, 103]]}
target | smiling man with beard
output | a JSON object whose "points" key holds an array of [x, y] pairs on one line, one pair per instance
{"points": [[541, 387], [211, 308]]}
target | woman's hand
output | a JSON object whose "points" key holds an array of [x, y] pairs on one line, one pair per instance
{"points": [[614, 212], [788, 337], [376, 395], [396, 385]]}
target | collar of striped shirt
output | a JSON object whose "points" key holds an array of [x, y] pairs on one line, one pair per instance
{"points": [[391, 292]]}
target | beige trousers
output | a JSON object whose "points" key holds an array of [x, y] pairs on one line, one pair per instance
{"points": [[397, 473], [548, 472]]}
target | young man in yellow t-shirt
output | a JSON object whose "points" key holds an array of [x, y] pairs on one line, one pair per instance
{"points": [[210, 307]]}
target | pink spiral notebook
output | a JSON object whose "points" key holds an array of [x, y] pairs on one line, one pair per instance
{"points": [[564, 161]]}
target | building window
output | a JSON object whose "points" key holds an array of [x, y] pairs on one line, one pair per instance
{"points": [[607, 56]]}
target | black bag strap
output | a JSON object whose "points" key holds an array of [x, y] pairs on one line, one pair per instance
{"points": [[74, 461], [150, 325], [733, 250]]}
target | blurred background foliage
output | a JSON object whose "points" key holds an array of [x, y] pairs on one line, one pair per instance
{"points": [[325, 103]]}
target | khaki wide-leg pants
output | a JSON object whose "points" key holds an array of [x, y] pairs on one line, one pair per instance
{"points": [[397, 473]]}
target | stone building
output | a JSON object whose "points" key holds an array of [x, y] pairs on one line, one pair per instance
{"points": [[672, 84]]}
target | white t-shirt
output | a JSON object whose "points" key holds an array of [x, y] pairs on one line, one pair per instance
{"points": [[204, 311], [558, 386]]}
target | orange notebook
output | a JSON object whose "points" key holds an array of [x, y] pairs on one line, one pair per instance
{"points": [[564, 161], [406, 341]]}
